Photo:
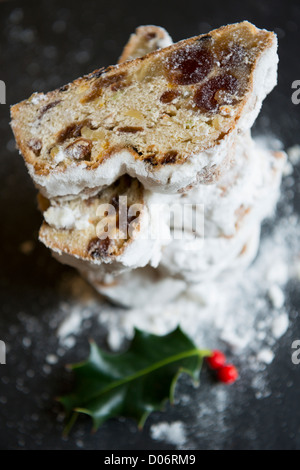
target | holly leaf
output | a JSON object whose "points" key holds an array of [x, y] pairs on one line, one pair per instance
{"points": [[133, 383]]}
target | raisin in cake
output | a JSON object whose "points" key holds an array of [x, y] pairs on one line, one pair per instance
{"points": [[168, 118], [234, 209]]}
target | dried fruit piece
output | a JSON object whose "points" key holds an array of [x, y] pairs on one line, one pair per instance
{"points": [[35, 145], [228, 374], [168, 96], [54, 151], [98, 247], [190, 65], [216, 92], [47, 107], [71, 131]]}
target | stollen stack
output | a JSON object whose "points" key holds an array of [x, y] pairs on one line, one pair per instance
{"points": [[114, 153]]}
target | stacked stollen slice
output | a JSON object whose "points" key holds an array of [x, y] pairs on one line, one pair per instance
{"points": [[234, 210], [171, 126]]}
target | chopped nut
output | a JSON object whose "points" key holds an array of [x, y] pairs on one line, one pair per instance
{"points": [[54, 151], [189, 65], [216, 123], [91, 134]]}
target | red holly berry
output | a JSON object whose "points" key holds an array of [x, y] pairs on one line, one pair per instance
{"points": [[216, 360], [228, 374]]}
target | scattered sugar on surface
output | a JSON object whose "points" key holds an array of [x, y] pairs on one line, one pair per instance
{"points": [[294, 154], [280, 325]]}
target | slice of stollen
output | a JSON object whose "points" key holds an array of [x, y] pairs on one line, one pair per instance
{"points": [[168, 118], [109, 233]]}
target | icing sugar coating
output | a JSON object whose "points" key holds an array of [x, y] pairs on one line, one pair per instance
{"points": [[232, 220], [234, 209]]}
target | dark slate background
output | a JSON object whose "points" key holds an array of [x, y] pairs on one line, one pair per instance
{"points": [[42, 46]]}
